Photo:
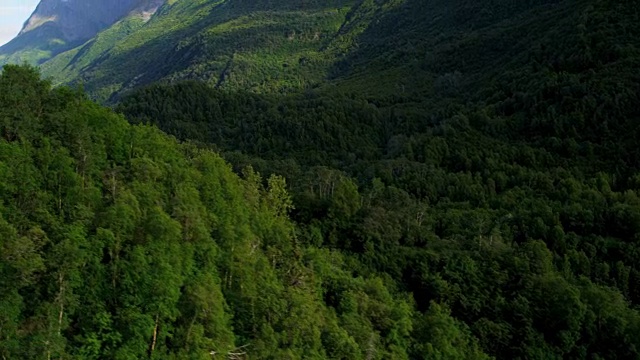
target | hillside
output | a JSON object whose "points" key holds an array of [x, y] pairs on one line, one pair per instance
{"points": [[409, 48], [273, 46], [118, 243], [264, 46], [402, 179], [59, 25], [505, 187]]}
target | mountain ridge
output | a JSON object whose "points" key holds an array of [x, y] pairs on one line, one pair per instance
{"points": [[411, 47], [56, 26]]}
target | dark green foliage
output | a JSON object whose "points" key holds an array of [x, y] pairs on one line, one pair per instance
{"points": [[301, 127], [463, 187], [505, 196], [118, 243]]}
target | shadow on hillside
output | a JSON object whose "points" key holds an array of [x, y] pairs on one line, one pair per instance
{"points": [[455, 41], [44, 38], [168, 54]]}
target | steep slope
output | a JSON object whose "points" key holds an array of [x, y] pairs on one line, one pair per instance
{"points": [[408, 48], [263, 46], [60, 25], [117, 242], [505, 185]]}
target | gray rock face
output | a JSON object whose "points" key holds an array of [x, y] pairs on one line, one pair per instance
{"points": [[83, 19]]}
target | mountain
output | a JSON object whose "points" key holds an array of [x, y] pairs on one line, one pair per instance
{"points": [[410, 48], [481, 154], [266, 46], [402, 179], [59, 25]]}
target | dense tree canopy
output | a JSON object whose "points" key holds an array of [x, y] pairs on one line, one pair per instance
{"points": [[506, 209], [118, 242], [491, 210]]}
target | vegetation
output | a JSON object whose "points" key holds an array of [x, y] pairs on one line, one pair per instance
{"points": [[118, 242], [459, 188], [264, 46], [43, 44], [505, 193]]}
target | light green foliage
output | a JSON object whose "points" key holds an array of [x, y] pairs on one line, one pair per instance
{"points": [[442, 337], [265, 46], [468, 189], [67, 65], [482, 158], [118, 242]]}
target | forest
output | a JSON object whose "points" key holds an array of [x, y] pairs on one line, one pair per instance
{"points": [[506, 197], [118, 242], [488, 208]]}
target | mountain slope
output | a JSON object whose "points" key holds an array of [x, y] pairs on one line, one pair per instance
{"points": [[407, 47], [117, 242], [506, 187], [263, 46], [59, 25], [463, 180]]}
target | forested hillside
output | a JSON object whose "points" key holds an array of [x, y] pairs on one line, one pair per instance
{"points": [[393, 179], [119, 243], [263, 45], [505, 189], [409, 48]]}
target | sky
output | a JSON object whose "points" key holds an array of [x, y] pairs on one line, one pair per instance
{"points": [[13, 13]]}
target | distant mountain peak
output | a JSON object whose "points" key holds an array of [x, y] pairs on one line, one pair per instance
{"points": [[82, 19], [58, 25]]}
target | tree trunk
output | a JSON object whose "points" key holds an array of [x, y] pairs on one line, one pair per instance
{"points": [[155, 336]]}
